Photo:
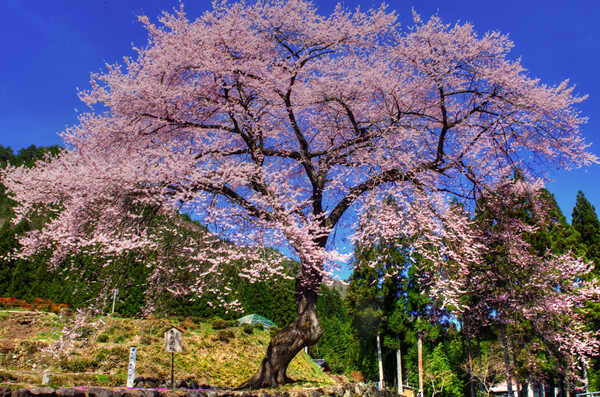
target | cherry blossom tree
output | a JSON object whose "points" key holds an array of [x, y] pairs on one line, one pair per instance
{"points": [[277, 126]]}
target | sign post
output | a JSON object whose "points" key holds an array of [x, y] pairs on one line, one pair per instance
{"points": [[173, 344], [131, 370]]}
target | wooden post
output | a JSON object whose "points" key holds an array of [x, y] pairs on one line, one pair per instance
{"points": [[172, 371], [381, 385], [173, 344]]}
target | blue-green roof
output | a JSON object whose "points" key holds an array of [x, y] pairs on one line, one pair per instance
{"points": [[257, 319]]}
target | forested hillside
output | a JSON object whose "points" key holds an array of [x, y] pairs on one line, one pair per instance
{"points": [[272, 298]]}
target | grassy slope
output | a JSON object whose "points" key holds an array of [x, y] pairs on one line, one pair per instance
{"points": [[101, 356]]}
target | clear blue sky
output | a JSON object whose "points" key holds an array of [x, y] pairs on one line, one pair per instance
{"points": [[49, 49]]}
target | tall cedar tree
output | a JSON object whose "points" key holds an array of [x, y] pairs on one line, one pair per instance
{"points": [[585, 221]]}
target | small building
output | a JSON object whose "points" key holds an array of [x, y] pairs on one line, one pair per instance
{"points": [[408, 391], [501, 390]]}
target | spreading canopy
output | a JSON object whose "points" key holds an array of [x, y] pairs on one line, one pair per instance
{"points": [[274, 125]]}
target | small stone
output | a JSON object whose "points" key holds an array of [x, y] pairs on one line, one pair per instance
{"points": [[69, 392], [100, 392], [193, 385], [150, 393], [22, 393], [359, 389], [127, 393], [150, 384]]}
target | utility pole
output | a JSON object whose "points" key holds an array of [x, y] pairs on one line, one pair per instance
{"points": [[420, 348], [399, 368]]}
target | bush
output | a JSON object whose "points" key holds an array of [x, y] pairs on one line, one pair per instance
{"points": [[120, 353], [224, 335], [102, 355], [219, 323], [189, 323], [79, 364], [248, 328], [259, 326], [102, 338]]}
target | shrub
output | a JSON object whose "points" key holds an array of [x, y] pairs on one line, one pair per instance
{"points": [[248, 328], [356, 377], [102, 338], [79, 364], [259, 326], [102, 355], [189, 323], [120, 353], [224, 335], [219, 323]]}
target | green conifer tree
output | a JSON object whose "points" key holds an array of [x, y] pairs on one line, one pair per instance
{"points": [[585, 221]]}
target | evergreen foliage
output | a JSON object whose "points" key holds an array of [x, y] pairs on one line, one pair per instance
{"points": [[334, 346], [585, 221]]}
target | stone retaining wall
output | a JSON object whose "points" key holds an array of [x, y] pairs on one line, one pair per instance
{"points": [[346, 390]]}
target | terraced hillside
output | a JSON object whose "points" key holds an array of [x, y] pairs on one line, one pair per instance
{"points": [[97, 353]]}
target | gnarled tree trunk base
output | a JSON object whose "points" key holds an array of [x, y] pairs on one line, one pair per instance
{"points": [[285, 344]]}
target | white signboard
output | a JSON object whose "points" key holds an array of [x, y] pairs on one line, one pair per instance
{"points": [[173, 340], [131, 371]]}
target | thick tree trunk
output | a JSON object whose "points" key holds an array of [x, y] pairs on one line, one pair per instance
{"points": [[285, 344]]}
